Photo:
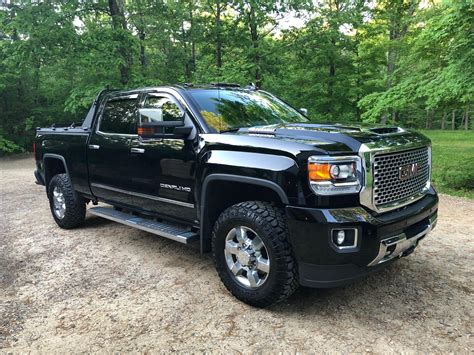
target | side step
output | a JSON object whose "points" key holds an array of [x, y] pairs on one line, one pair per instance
{"points": [[170, 231]]}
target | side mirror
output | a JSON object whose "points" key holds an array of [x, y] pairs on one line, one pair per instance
{"points": [[170, 130], [304, 111], [157, 123]]}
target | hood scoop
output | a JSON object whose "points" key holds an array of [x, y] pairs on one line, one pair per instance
{"points": [[386, 130], [265, 130]]}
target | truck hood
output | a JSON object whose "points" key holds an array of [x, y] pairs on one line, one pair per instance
{"points": [[295, 139]]}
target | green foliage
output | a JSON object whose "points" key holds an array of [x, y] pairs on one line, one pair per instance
{"points": [[453, 159], [7, 146], [353, 61], [437, 69]]}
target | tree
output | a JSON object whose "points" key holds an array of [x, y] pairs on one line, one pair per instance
{"points": [[392, 61], [437, 71]]}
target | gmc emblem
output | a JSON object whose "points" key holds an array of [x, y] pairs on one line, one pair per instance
{"points": [[408, 171]]}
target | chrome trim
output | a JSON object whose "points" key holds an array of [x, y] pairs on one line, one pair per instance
{"points": [[367, 153], [126, 135], [356, 185], [401, 243], [150, 197], [137, 150], [356, 238], [94, 146]]}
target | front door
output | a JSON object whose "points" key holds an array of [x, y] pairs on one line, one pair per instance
{"points": [[109, 149], [163, 174]]}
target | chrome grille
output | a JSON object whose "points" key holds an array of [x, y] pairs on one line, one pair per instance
{"points": [[388, 187]]}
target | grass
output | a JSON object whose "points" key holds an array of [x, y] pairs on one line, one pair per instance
{"points": [[453, 162]]}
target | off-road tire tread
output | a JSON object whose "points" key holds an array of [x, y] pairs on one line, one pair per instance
{"points": [[75, 204], [271, 219]]}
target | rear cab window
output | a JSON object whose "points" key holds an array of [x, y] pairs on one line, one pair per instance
{"points": [[120, 115]]}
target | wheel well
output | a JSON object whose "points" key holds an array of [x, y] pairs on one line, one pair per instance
{"points": [[52, 166], [221, 194]]}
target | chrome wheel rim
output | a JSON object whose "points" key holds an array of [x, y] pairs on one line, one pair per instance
{"points": [[247, 257], [59, 203]]}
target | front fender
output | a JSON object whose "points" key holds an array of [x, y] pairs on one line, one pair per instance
{"points": [[278, 172], [270, 172]]}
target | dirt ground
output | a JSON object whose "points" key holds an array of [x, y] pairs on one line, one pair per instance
{"points": [[108, 287]]}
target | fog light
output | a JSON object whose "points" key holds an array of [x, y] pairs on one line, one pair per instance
{"points": [[344, 238], [341, 236]]}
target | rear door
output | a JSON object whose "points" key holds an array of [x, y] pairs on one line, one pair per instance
{"points": [[109, 149]]}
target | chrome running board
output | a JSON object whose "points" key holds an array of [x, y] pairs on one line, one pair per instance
{"points": [[170, 231]]}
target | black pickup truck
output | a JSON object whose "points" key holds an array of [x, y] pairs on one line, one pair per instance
{"points": [[279, 201]]}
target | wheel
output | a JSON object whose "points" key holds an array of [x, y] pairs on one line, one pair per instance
{"points": [[252, 254], [67, 207]]}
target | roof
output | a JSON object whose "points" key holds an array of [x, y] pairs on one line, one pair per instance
{"points": [[184, 87]]}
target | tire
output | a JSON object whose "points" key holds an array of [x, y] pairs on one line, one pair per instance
{"points": [[254, 220], [73, 211]]}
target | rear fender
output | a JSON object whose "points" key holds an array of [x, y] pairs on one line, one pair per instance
{"points": [[53, 164]]}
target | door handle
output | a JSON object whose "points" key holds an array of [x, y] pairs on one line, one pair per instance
{"points": [[137, 150], [94, 146]]}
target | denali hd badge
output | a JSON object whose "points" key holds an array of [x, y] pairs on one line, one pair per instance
{"points": [[175, 187], [408, 171]]}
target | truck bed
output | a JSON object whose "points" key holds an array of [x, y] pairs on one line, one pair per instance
{"points": [[69, 143]]}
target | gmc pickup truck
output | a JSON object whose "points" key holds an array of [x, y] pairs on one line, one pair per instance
{"points": [[278, 200]]}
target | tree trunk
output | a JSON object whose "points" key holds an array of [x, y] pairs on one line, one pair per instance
{"points": [[395, 115], [391, 59], [187, 63], [119, 24], [218, 37], [443, 120], [398, 28], [193, 44], [334, 25], [331, 77], [332, 74], [466, 118], [141, 37], [453, 118], [255, 45]]}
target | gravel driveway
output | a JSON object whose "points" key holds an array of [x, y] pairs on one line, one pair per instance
{"points": [[108, 287]]}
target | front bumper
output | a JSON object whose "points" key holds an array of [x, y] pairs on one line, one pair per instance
{"points": [[381, 239]]}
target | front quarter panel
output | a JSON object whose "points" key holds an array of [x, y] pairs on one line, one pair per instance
{"points": [[281, 170]]}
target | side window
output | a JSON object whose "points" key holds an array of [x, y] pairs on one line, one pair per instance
{"points": [[158, 108], [119, 116]]}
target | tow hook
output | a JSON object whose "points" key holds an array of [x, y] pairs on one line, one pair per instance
{"points": [[409, 251]]}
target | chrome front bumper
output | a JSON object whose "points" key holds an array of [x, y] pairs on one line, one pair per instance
{"points": [[399, 245]]}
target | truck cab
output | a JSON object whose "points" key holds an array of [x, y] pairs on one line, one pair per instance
{"points": [[278, 200]]}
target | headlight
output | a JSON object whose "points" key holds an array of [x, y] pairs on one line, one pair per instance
{"points": [[335, 175]]}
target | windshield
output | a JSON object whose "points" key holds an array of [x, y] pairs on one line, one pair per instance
{"points": [[225, 109]]}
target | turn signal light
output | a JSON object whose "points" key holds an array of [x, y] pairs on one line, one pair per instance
{"points": [[142, 131], [319, 171]]}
